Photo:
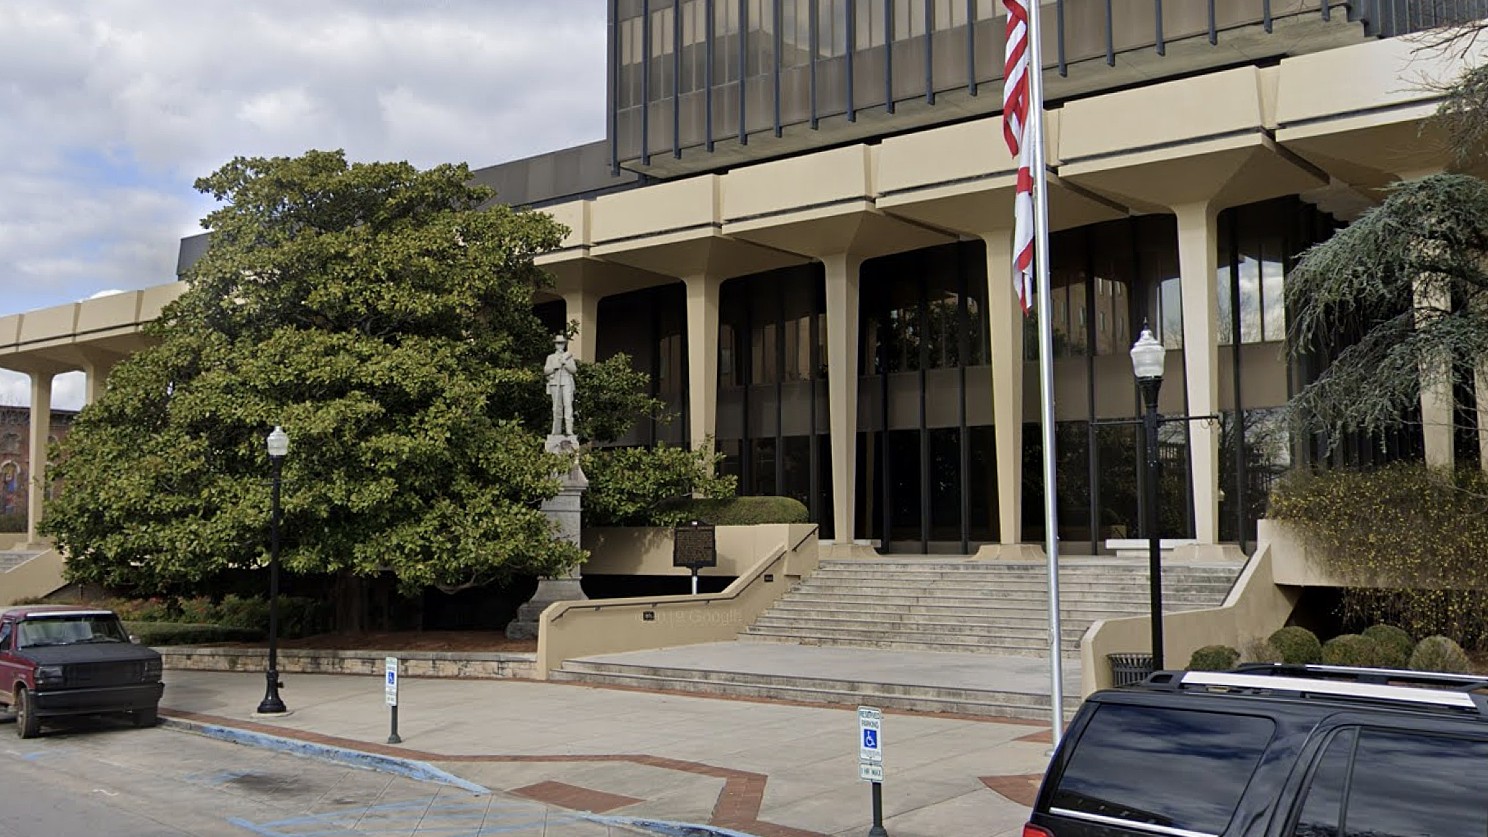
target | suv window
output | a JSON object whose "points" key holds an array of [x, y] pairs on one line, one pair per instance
{"points": [[5, 637], [1402, 783], [1170, 767]]}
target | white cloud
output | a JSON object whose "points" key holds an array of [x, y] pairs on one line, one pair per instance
{"points": [[112, 108], [69, 390]]}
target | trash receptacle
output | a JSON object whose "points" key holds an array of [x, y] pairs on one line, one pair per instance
{"points": [[1129, 668]]}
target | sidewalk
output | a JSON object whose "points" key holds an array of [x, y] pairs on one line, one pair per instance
{"points": [[756, 767]]}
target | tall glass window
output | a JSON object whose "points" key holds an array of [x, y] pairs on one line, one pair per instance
{"points": [[926, 465], [772, 395]]}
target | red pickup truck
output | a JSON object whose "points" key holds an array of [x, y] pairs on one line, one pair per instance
{"points": [[60, 660]]}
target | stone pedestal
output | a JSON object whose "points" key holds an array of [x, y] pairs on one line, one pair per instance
{"points": [[565, 510]]}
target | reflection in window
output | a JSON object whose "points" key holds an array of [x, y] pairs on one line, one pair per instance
{"points": [[1168, 767], [1408, 784], [1322, 808]]}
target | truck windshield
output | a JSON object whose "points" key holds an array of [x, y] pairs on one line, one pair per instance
{"points": [[69, 630]]}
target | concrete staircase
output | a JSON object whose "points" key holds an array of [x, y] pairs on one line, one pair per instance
{"points": [[10, 559], [978, 607], [921, 633]]}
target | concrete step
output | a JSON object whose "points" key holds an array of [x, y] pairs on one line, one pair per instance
{"points": [[813, 690], [960, 627], [991, 646], [963, 588], [951, 573], [927, 621], [902, 599], [11, 559], [898, 612]]}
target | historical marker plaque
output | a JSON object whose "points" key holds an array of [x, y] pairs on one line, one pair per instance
{"points": [[693, 545]]}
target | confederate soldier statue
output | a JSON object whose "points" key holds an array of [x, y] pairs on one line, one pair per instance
{"points": [[559, 369]]}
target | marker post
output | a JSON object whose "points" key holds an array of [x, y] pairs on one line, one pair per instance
{"points": [[870, 762], [390, 691]]}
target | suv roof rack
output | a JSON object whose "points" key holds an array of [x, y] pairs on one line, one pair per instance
{"points": [[1388, 676], [1449, 691]]}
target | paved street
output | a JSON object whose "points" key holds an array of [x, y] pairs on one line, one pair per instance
{"points": [[101, 777]]}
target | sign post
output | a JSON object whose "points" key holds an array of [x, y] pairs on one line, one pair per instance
{"points": [[390, 692], [694, 546], [870, 761]]}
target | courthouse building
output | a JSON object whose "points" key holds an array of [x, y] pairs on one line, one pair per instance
{"points": [[800, 224]]}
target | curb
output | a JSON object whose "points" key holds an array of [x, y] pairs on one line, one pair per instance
{"points": [[670, 829], [410, 768], [418, 770]]}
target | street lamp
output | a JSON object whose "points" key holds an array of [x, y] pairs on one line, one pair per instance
{"points": [[1147, 356], [278, 443]]}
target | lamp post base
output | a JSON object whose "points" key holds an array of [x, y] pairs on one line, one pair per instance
{"points": [[272, 704]]}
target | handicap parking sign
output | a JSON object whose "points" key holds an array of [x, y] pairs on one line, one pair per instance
{"points": [[870, 735]]}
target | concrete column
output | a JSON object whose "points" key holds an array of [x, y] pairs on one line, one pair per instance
{"points": [[842, 388], [1436, 390], [97, 371], [702, 358], [583, 306], [41, 428], [1198, 262], [1005, 319]]}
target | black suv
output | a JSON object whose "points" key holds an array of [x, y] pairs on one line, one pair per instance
{"points": [[1273, 751]]}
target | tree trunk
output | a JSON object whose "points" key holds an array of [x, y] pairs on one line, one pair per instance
{"points": [[351, 603]]}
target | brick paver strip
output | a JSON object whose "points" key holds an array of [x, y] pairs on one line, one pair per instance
{"points": [[576, 798], [1022, 789], [737, 807]]}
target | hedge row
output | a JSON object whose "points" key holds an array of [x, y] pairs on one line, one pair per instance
{"points": [[186, 633], [737, 511]]}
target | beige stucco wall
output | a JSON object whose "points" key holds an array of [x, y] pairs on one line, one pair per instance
{"points": [[642, 550], [37, 577], [1256, 607], [606, 626]]}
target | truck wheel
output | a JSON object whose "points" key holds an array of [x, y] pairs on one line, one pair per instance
{"points": [[27, 724], [144, 718]]}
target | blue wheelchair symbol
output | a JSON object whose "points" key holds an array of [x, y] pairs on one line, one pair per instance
{"points": [[392, 677], [870, 739]]}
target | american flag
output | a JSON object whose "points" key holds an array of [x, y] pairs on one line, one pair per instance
{"points": [[1015, 129]]}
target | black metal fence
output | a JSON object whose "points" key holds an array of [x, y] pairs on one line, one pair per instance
{"points": [[1388, 18]]}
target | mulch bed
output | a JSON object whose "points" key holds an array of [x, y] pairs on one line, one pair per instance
{"points": [[404, 641]]}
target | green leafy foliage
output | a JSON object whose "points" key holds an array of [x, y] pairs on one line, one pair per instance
{"points": [[1407, 538], [1439, 653], [1352, 650], [1214, 658], [186, 633], [629, 486], [609, 397], [1427, 241], [1394, 643], [733, 511], [383, 316], [298, 615], [1296, 645], [1260, 650]]}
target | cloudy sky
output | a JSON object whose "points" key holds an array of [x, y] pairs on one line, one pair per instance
{"points": [[112, 108]]}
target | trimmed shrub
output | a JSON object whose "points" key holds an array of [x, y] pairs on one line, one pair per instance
{"points": [[1395, 644], [1351, 650], [1439, 653], [1260, 650], [1213, 658], [1296, 645], [735, 511], [185, 633]]}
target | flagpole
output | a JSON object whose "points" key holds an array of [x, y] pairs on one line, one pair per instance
{"points": [[1046, 359]]}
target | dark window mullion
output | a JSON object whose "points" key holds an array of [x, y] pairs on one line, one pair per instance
{"points": [[925, 506], [645, 82]]}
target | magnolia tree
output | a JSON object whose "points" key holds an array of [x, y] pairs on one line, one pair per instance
{"points": [[383, 316]]}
